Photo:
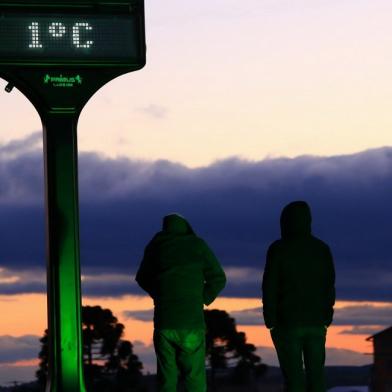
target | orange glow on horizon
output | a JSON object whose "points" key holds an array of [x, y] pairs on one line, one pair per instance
{"points": [[26, 314], [32, 307], [260, 336], [27, 362]]}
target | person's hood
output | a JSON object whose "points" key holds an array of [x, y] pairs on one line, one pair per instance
{"points": [[296, 220], [176, 224]]}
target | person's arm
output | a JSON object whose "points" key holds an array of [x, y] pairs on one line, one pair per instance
{"points": [[144, 275], [330, 300], [214, 276], [270, 286]]}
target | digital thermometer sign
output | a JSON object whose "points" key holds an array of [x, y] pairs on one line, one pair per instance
{"points": [[68, 39], [59, 53]]}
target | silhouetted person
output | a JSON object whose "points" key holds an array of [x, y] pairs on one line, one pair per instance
{"points": [[180, 273], [298, 297]]}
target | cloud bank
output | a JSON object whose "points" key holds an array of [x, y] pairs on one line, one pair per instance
{"points": [[234, 204], [15, 349], [363, 319], [11, 371]]}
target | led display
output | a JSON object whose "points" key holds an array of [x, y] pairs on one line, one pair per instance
{"points": [[69, 38]]}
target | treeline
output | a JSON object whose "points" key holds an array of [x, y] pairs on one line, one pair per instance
{"points": [[110, 364]]}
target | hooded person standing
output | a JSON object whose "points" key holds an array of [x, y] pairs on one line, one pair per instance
{"points": [[298, 296], [180, 272]]}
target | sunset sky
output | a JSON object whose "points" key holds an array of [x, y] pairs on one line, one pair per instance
{"points": [[241, 108]]}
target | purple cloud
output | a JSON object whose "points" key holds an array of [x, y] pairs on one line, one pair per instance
{"points": [[234, 204]]}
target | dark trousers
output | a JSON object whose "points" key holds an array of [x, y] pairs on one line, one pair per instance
{"points": [[301, 354], [180, 353]]}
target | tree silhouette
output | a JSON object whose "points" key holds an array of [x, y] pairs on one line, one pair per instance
{"points": [[109, 361], [227, 348]]}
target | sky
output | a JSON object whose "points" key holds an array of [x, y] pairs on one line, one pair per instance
{"points": [[241, 108]]}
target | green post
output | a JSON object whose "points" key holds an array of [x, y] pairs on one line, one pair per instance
{"points": [[63, 269]]}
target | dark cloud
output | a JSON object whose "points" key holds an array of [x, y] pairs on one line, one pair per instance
{"points": [[146, 355], [334, 357], [253, 316], [233, 204], [343, 357], [363, 319], [25, 348], [22, 281], [22, 146], [141, 315], [359, 330], [21, 348], [364, 315], [9, 374]]}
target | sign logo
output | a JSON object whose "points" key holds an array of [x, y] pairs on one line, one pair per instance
{"points": [[63, 81]]}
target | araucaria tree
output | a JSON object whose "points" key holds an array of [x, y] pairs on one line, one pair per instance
{"points": [[227, 348], [109, 361]]}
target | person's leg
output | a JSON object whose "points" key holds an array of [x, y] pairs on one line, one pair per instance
{"points": [[167, 373], [191, 360], [314, 358], [288, 345]]}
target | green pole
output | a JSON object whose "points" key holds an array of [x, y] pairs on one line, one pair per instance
{"points": [[63, 269]]}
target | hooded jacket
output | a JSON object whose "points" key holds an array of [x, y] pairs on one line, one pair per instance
{"points": [[180, 273], [299, 278]]}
